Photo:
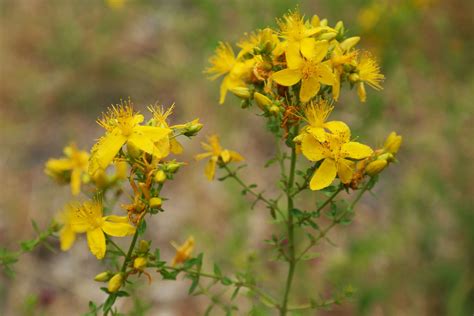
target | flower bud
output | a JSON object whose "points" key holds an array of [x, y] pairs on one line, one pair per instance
{"points": [[139, 263], [353, 77], [393, 142], [143, 246], [315, 21], [241, 92], [115, 283], [155, 202], [339, 26], [192, 128], [327, 36], [350, 42], [121, 169], [274, 109], [173, 166], [263, 101], [386, 156], [103, 276], [323, 22], [160, 176], [375, 167]]}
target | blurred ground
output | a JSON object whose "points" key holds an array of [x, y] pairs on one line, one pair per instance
{"points": [[410, 248]]}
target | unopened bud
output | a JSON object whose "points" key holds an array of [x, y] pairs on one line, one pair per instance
{"points": [[133, 150], [350, 42], [115, 283], [323, 22], [143, 246], [139, 263], [121, 169], [315, 21], [241, 92], [274, 109], [103, 276], [155, 202], [327, 36], [160, 176], [173, 166], [339, 26], [192, 128], [375, 167], [393, 142], [353, 77], [262, 101], [298, 139]]}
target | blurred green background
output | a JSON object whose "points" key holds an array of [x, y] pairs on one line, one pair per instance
{"points": [[410, 248]]}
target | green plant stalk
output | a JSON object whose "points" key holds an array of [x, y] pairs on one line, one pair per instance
{"points": [[291, 234]]}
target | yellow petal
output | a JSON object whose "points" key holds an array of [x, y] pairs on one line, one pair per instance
{"points": [[293, 57], [340, 129], [153, 133], [176, 147], [223, 91], [320, 51], [59, 165], [118, 229], [75, 181], [142, 143], [355, 150], [324, 176], [66, 237], [317, 132], [361, 92], [336, 87], [225, 155], [345, 169], [235, 156], [325, 74], [162, 147], [105, 150], [210, 170], [309, 88], [96, 242], [308, 47], [202, 156], [287, 77], [311, 148], [116, 219]]}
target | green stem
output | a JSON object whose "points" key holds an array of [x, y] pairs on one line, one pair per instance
{"points": [[258, 196], [291, 233], [116, 246]]}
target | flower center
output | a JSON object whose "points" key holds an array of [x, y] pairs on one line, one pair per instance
{"points": [[309, 69]]}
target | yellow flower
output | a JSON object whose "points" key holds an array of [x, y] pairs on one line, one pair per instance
{"points": [[217, 154], [76, 163], [224, 63], [183, 252], [335, 153], [115, 4], [309, 68], [67, 236], [122, 126], [88, 218], [159, 119], [368, 72], [316, 114], [262, 40]]}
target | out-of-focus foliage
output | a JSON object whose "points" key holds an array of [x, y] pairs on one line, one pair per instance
{"points": [[409, 250]]}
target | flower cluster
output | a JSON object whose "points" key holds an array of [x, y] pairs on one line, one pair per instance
{"points": [[139, 152], [294, 74]]}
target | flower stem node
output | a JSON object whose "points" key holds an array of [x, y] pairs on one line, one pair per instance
{"points": [[115, 283]]}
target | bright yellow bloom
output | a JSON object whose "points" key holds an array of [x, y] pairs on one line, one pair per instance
{"points": [[122, 126], [309, 68], [67, 236], [88, 218], [224, 63], [254, 43], [74, 165], [183, 252], [217, 154], [335, 153], [316, 114], [115, 4], [368, 72]]}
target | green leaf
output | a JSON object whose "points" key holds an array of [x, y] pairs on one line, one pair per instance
{"points": [[217, 270], [142, 227], [109, 302], [226, 281], [235, 293], [310, 256], [28, 245]]}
